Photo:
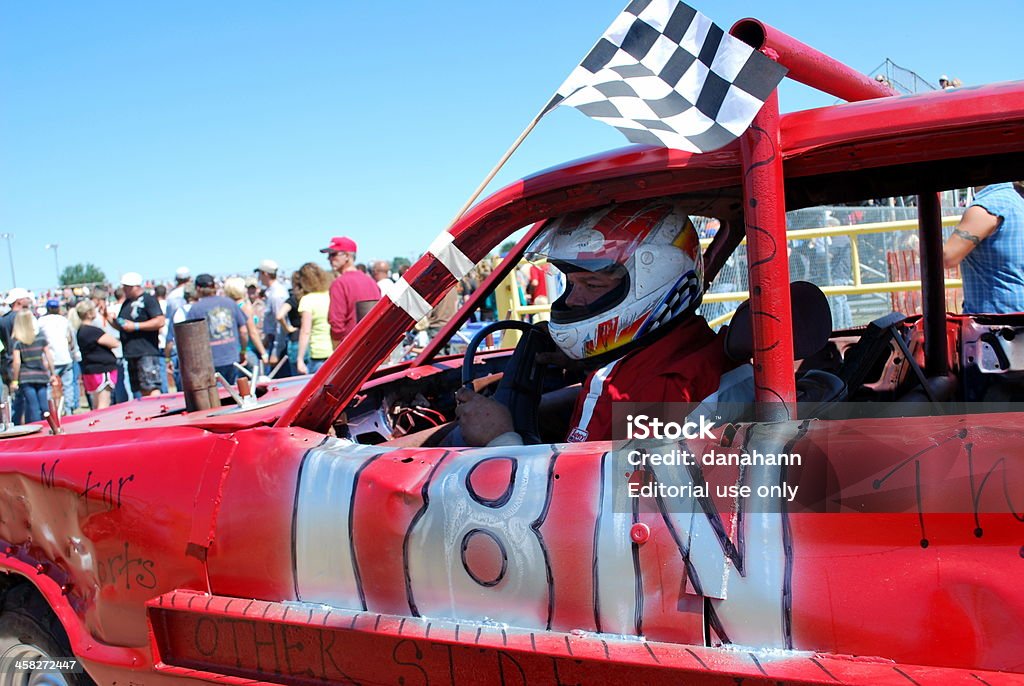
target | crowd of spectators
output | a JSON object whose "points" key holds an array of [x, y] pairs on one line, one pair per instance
{"points": [[91, 346], [96, 345]]}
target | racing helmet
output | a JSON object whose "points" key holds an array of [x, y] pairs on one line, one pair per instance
{"points": [[651, 244]]}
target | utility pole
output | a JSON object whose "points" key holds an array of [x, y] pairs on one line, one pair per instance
{"points": [[10, 255], [56, 262]]}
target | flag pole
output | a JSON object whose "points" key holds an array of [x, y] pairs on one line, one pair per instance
{"points": [[501, 163], [504, 158]]}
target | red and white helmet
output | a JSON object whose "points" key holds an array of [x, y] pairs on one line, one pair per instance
{"points": [[652, 244]]}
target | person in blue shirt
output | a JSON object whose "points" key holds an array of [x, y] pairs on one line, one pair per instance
{"points": [[226, 324], [988, 244]]}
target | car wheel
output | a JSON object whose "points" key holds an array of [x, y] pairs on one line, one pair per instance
{"points": [[29, 631]]}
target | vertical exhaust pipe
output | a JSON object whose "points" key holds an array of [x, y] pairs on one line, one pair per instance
{"points": [[198, 379]]}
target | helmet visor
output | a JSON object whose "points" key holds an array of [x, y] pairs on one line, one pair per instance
{"points": [[588, 293]]}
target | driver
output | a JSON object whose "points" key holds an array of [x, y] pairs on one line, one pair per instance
{"points": [[634, 278]]}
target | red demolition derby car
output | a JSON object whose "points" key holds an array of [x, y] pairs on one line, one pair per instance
{"points": [[327, 534]]}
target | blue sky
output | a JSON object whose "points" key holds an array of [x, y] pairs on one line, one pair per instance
{"points": [[147, 135]]}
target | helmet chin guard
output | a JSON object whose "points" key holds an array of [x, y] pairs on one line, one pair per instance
{"points": [[652, 245]]}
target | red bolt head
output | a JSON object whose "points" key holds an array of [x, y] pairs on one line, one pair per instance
{"points": [[640, 532]]}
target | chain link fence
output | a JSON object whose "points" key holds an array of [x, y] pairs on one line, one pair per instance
{"points": [[903, 80]]}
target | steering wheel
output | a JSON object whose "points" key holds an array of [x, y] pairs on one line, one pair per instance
{"points": [[521, 386]]}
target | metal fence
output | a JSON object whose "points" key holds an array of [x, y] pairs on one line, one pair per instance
{"points": [[904, 81], [866, 259]]}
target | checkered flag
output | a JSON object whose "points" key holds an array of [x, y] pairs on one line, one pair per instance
{"points": [[664, 74]]}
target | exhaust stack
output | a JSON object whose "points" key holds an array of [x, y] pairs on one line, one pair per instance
{"points": [[198, 379]]}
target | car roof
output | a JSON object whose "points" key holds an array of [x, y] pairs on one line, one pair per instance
{"points": [[933, 126], [899, 145]]}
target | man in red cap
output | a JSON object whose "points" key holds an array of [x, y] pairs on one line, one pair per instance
{"points": [[350, 287]]}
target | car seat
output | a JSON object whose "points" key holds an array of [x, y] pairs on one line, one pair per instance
{"points": [[812, 327]]}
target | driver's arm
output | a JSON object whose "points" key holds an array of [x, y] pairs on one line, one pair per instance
{"points": [[484, 421]]}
